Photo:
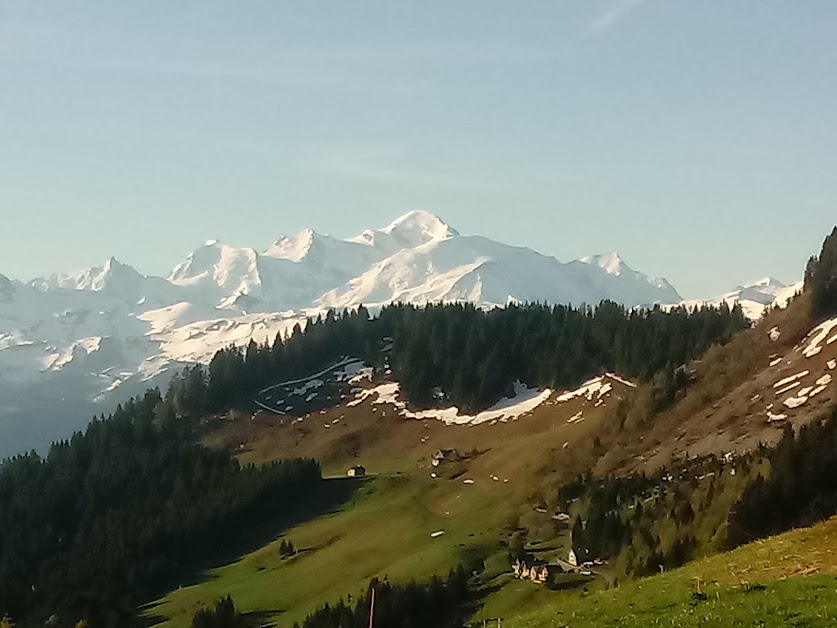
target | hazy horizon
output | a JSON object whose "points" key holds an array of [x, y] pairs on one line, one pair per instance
{"points": [[261, 248], [697, 141]]}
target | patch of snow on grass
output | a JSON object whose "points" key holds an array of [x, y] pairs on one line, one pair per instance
{"points": [[775, 362], [773, 418], [787, 388], [788, 380], [576, 418], [615, 377], [817, 335], [817, 391], [587, 390], [832, 364], [386, 394], [795, 402], [822, 384], [524, 400]]}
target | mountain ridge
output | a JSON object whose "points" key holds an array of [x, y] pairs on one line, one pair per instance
{"points": [[109, 332], [326, 263]]}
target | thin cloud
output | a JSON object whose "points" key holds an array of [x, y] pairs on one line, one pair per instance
{"points": [[262, 73], [383, 163], [615, 13]]}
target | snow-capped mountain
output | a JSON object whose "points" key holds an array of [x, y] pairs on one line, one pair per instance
{"points": [[418, 259], [7, 288], [755, 297], [73, 343], [614, 265]]}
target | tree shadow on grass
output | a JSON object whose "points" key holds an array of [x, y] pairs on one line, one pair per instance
{"points": [[329, 498]]}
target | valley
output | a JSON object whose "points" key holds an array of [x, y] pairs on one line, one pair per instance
{"points": [[601, 445], [75, 344], [502, 478], [418, 315]]}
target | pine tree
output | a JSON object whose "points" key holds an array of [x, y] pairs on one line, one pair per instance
{"points": [[821, 277]]}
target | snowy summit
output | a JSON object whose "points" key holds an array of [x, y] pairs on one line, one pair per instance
{"points": [[69, 339]]}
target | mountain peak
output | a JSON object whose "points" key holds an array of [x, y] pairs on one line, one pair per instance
{"points": [[612, 263], [111, 274], [293, 248], [6, 288], [762, 291], [220, 265], [766, 283], [113, 265], [419, 227]]}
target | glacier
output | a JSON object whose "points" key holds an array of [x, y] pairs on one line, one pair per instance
{"points": [[73, 344]]}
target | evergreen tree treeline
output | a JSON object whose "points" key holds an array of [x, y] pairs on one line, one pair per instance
{"points": [[649, 521], [800, 489], [644, 523], [471, 355], [121, 511], [223, 615], [136, 493], [235, 373], [821, 277], [475, 356], [441, 603]]}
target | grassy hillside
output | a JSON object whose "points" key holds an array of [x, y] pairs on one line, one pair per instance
{"points": [[511, 469], [727, 404], [385, 531], [516, 471], [787, 580]]}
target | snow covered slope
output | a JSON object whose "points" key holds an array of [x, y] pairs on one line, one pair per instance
{"points": [[754, 298], [73, 343], [7, 289]]}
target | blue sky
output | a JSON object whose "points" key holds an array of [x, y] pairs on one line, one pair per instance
{"points": [[698, 139]]}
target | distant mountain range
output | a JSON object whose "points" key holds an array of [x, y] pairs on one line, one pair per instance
{"points": [[71, 344], [754, 297]]}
